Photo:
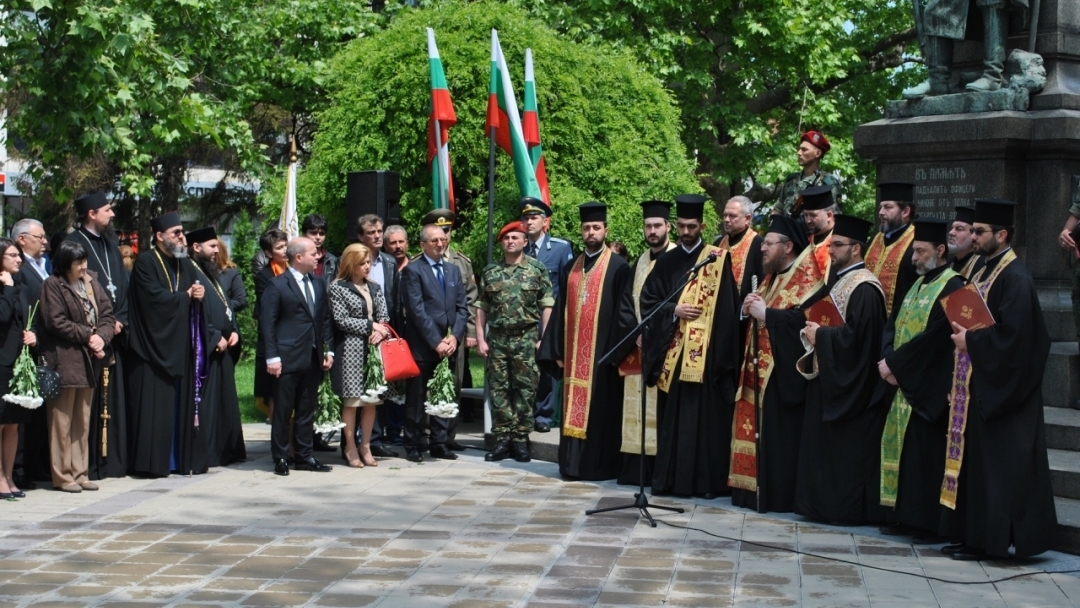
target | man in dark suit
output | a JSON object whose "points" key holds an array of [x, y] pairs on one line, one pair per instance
{"points": [[434, 304], [297, 334], [32, 458], [384, 271]]}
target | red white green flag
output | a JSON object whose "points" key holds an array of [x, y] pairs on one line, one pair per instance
{"points": [[439, 123], [531, 129], [502, 115]]}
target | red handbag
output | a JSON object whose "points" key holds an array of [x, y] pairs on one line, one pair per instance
{"points": [[397, 359]]}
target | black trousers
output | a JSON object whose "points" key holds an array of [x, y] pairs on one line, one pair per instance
{"points": [[295, 397], [415, 395]]}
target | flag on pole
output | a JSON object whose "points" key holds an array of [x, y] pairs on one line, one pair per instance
{"points": [[439, 123], [289, 222], [531, 129], [503, 116]]}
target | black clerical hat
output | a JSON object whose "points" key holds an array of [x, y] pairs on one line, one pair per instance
{"points": [[851, 227], [965, 215], [201, 235], [995, 211], [817, 198], [792, 229], [593, 211], [165, 221], [660, 209], [901, 192], [88, 202], [932, 230], [530, 204], [443, 218], [690, 206]]}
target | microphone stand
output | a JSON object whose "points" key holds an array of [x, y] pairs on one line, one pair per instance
{"points": [[641, 502]]}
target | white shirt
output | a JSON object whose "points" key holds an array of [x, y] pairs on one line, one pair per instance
{"points": [[38, 265], [376, 273]]}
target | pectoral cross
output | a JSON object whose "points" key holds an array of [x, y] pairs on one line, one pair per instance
{"points": [[112, 290]]}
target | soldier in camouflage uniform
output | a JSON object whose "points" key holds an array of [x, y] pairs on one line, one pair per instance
{"points": [[812, 148], [514, 307]]}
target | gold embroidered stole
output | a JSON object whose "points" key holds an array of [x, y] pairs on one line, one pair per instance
{"points": [[821, 255], [910, 321], [960, 397], [789, 290], [840, 294], [969, 266], [583, 293], [885, 261], [691, 342], [631, 419], [739, 253]]}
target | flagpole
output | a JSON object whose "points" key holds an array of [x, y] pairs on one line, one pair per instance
{"points": [[438, 162], [491, 194]]}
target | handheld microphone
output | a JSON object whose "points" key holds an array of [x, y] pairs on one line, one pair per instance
{"points": [[708, 260]]}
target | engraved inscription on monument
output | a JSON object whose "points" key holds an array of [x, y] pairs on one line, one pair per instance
{"points": [[938, 189]]}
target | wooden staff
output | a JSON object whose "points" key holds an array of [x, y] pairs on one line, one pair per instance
{"points": [[105, 413]]}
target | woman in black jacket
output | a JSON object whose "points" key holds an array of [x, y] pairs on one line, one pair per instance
{"points": [[14, 313]]}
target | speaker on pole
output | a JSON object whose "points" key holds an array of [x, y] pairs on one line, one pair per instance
{"points": [[375, 192]]}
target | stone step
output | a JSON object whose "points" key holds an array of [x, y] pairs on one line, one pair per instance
{"points": [[1068, 516], [1065, 472], [1061, 382], [1062, 428]]}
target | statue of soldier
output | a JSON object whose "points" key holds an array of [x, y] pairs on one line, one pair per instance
{"points": [[514, 305], [941, 22]]}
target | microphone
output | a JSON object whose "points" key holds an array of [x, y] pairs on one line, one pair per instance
{"points": [[708, 260]]}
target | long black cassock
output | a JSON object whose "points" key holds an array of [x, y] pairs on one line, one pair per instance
{"points": [[219, 410], [162, 379], [837, 479], [923, 369], [693, 418], [597, 457], [1005, 476], [103, 257]]}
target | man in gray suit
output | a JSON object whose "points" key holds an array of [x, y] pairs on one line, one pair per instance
{"points": [[436, 312]]}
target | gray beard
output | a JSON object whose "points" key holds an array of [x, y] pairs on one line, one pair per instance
{"points": [[927, 268], [177, 251]]}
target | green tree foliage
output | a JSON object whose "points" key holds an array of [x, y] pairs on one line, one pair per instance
{"points": [[749, 75], [610, 130]]}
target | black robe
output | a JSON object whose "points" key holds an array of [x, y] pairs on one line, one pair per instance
{"points": [[232, 282], [103, 257], [959, 263], [693, 419], [597, 457], [782, 413], [923, 368], [219, 409], [1005, 476], [161, 382], [754, 264], [839, 454]]}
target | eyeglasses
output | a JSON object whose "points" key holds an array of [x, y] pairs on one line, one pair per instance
{"points": [[772, 243], [40, 237], [982, 231], [836, 245], [437, 241], [177, 232]]}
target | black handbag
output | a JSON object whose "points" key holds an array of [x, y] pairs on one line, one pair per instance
{"points": [[48, 381]]}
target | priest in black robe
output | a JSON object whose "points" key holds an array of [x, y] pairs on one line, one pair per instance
{"points": [[219, 408], [161, 386], [837, 478], [1005, 477], [108, 456], [591, 430], [965, 260], [917, 360], [768, 423], [742, 243], [696, 399]]}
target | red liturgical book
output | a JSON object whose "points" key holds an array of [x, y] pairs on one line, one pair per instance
{"points": [[825, 313], [631, 365], [966, 308]]}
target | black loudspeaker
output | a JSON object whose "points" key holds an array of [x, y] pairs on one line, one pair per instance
{"points": [[375, 192]]}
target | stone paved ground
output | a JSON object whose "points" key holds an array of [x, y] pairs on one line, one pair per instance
{"points": [[466, 533]]}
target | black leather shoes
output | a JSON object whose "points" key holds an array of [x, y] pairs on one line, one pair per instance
{"points": [[442, 453], [281, 467], [542, 427], [411, 456], [952, 548], [380, 451], [453, 445], [312, 464], [501, 451], [320, 445], [520, 451], [969, 554]]}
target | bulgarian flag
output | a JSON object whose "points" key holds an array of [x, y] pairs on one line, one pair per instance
{"points": [[502, 115], [531, 129], [439, 123]]}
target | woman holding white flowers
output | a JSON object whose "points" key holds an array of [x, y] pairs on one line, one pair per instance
{"points": [[77, 327], [360, 317], [14, 313]]}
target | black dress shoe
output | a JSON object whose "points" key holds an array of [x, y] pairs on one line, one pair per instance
{"points": [[312, 464], [520, 451], [24, 483], [542, 427], [952, 548], [320, 445], [380, 451], [281, 467], [453, 445], [969, 554], [442, 453], [501, 451], [410, 455]]}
